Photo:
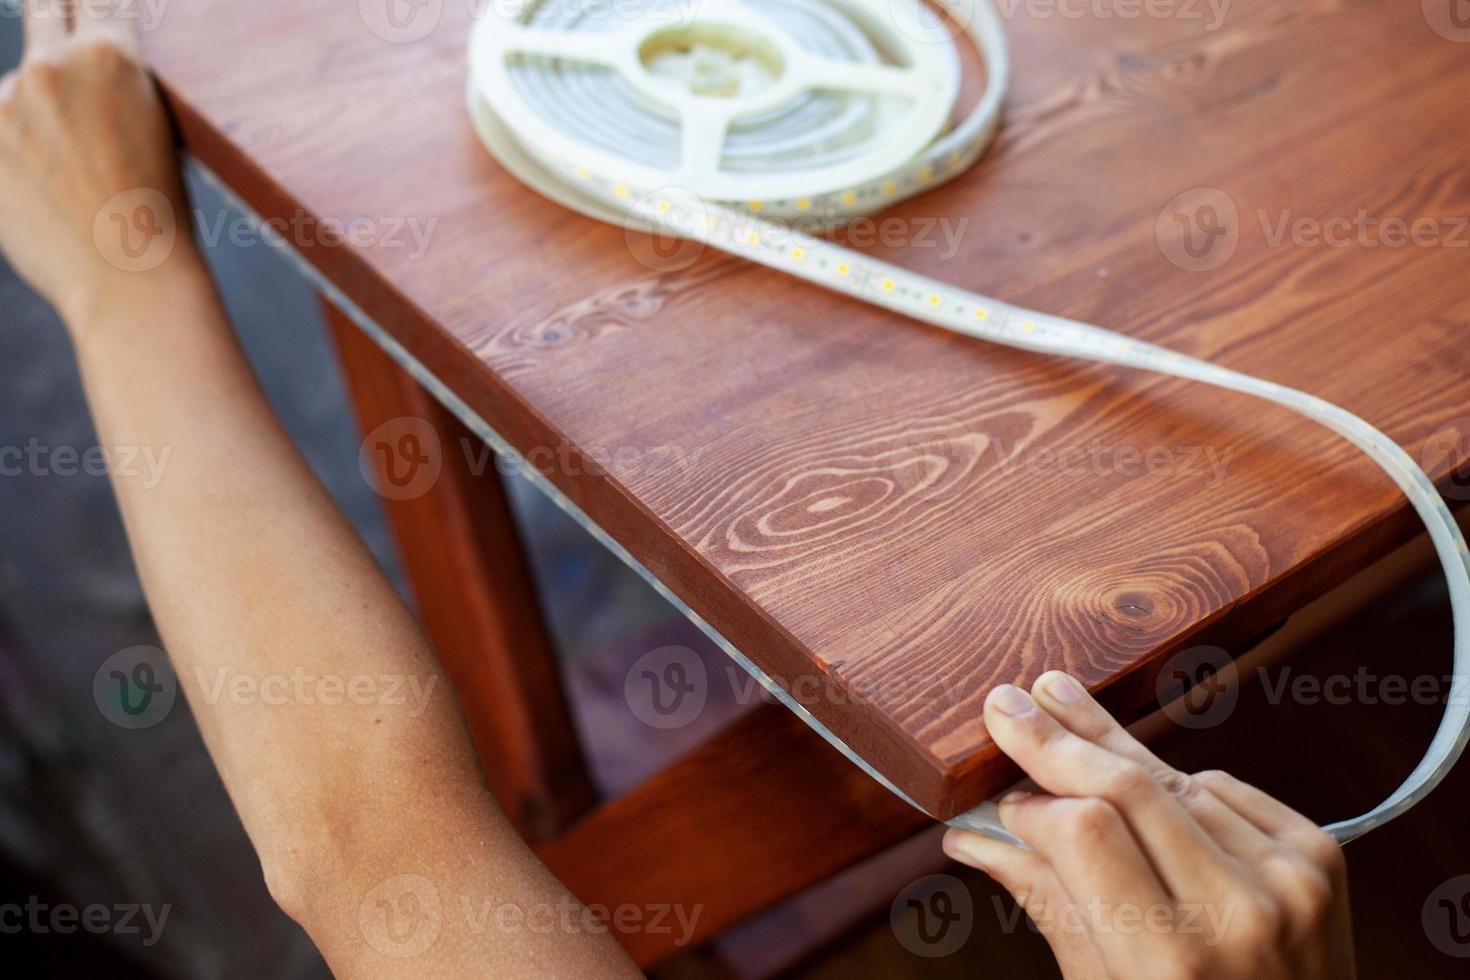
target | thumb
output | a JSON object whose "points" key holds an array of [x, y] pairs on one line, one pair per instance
{"points": [[1034, 886]]}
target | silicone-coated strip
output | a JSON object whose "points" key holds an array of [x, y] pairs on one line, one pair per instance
{"points": [[747, 228]]}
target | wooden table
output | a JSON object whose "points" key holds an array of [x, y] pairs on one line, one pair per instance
{"points": [[890, 519]]}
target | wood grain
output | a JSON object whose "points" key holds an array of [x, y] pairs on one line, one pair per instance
{"points": [[761, 811], [863, 505]]}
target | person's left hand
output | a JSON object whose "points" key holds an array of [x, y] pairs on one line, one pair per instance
{"points": [[92, 207]]}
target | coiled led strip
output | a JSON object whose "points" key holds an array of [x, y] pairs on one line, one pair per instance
{"points": [[717, 120]]}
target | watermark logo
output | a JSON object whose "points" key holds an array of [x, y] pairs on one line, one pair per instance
{"points": [[401, 459], [299, 687], [136, 230], [1444, 450], [1199, 229], [401, 916], [667, 688], [661, 247], [41, 918], [147, 14], [933, 916], [1198, 687], [935, 23], [1211, 12], [1364, 230], [301, 231], [931, 458], [135, 688], [1099, 917], [400, 21], [1446, 917], [142, 463], [1450, 19]]}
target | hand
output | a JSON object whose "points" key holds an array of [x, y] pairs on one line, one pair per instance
{"points": [[91, 202], [1142, 871]]}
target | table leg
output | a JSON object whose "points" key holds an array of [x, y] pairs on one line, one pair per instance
{"points": [[476, 600]]}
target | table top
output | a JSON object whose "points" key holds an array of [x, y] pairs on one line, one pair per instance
{"points": [[906, 516]]}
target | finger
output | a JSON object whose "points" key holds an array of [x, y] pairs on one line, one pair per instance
{"points": [[1100, 865], [1307, 875], [1034, 886], [1088, 843], [45, 28], [1188, 861], [109, 20], [7, 86], [1277, 820], [1065, 699]]}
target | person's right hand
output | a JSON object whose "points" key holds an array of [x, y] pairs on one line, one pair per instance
{"points": [[92, 207], [1139, 870]]}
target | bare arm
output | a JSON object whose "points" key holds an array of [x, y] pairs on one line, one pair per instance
{"points": [[372, 822]]}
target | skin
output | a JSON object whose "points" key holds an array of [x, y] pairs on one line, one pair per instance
{"points": [[1144, 871], [359, 809]]}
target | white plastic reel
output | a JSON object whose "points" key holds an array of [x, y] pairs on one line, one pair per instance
{"points": [[926, 80]]}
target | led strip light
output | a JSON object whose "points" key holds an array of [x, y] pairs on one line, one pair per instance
{"points": [[729, 121]]}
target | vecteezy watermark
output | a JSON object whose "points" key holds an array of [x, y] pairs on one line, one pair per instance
{"points": [[1450, 19], [40, 918], [1361, 687], [1199, 229], [1211, 12], [933, 916], [932, 458], [1198, 687], [1446, 449], [135, 688], [1097, 458], [137, 230], [1363, 230], [406, 21], [1100, 917], [1446, 917], [665, 462], [671, 209], [667, 688], [302, 231], [403, 458], [400, 21], [403, 916], [147, 14], [301, 687], [35, 458], [655, 246]]}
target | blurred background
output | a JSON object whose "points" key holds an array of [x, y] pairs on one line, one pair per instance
{"points": [[93, 813]]}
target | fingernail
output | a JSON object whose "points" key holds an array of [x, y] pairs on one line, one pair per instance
{"points": [[1011, 700], [956, 846], [1064, 688], [1015, 796]]}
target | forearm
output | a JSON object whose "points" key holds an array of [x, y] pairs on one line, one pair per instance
{"points": [[327, 715], [252, 573]]}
